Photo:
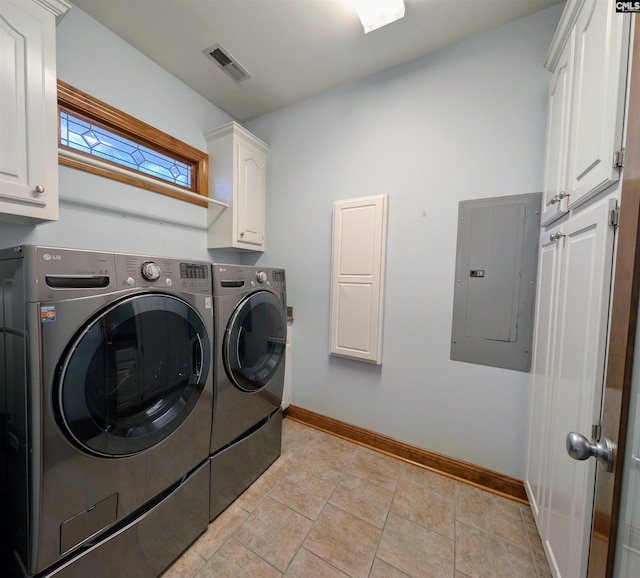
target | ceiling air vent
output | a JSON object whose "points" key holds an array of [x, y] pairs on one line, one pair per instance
{"points": [[223, 59]]}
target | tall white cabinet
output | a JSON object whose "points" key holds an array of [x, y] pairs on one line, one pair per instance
{"points": [[570, 349], [588, 59], [238, 162], [28, 110]]}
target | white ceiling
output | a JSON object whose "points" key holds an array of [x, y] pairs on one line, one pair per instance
{"points": [[293, 49]]}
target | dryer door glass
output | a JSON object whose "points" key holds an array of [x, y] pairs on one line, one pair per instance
{"points": [[254, 343], [133, 374]]}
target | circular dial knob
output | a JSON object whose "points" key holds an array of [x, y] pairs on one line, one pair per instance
{"points": [[150, 271], [261, 276]]}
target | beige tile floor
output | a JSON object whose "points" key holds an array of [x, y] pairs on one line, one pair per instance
{"points": [[330, 508]]}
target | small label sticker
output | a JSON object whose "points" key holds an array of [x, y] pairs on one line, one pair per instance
{"points": [[622, 7], [207, 303], [47, 313]]}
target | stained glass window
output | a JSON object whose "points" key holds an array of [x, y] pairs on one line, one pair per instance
{"points": [[98, 138], [92, 139]]}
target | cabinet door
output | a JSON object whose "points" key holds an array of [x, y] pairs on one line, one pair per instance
{"points": [[542, 374], [600, 64], [357, 278], [250, 194], [553, 207], [586, 256], [28, 147]]}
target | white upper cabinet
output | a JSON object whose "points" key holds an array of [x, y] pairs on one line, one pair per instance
{"points": [[588, 58], [238, 162], [597, 108], [556, 159], [28, 110]]}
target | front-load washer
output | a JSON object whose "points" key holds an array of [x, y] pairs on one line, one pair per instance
{"points": [[249, 351], [106, 396]]}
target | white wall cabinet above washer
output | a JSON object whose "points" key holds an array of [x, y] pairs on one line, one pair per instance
{"points": [[588, 59], [28, 110], [238, 162]]}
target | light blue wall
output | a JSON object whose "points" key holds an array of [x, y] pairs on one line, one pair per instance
{"points": [[99, 213], [466, 122]]}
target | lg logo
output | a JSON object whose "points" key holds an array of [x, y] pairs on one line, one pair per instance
{"points": [[49, 257]]}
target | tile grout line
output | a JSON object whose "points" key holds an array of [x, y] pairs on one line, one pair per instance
{"points": [[301, 547], [386, 518], [531, 546], [268, 494]]}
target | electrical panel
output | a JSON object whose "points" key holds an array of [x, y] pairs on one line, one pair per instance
{"points": [[495, 283]]}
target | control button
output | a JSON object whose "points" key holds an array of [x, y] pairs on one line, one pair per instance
{"points": [[261, 276], [150, 271], [130, 281], [168, 281]]}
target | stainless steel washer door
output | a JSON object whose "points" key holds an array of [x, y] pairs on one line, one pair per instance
{"points": [[132, 375], [255, 340]]}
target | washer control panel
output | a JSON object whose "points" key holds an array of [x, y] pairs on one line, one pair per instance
{"points": [[163, 273]]}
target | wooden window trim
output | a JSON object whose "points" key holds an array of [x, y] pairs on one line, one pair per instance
{"points": [[81, 104]]}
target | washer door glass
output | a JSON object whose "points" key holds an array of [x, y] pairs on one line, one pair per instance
{"points": [[254, 342], [133, 374]]}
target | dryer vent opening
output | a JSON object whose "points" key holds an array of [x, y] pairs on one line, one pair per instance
{"points": [[228, 64]]}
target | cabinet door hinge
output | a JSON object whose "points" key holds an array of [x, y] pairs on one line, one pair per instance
{"points": [[614, 216], [596, 431], [618, 159]]}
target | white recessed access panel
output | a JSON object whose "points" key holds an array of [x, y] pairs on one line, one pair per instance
{"points": [[357, 278]]}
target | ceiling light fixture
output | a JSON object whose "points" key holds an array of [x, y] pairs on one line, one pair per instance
{"points": [[377, 13]]}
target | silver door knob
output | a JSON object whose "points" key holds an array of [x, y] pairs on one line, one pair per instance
{"points": [[580, 448], [39, 189], [562, 195], [556, 236]]}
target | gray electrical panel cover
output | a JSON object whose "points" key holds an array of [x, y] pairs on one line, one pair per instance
{"points": [[495, 284]]}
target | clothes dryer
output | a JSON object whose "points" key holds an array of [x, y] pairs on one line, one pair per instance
{"points": [[249, 351], [106, 396]]}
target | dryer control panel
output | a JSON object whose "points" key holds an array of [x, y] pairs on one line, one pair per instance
{"points": [[229, 279]]}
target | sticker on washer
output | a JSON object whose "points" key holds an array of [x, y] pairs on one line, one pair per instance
{"points": [[47, 313]]}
